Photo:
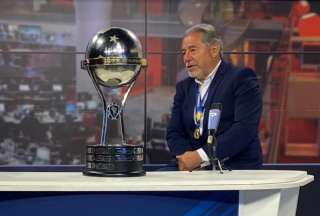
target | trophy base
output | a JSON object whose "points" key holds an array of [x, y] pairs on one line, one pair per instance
{"points": [[114, 161]]}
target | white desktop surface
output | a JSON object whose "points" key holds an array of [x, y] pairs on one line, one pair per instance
{"points": [[155, 181]]}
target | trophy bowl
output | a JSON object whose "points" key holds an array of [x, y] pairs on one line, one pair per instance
{"points": [[113, 60], [115, 57]]}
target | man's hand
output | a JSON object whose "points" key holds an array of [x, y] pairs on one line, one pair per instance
{"points": [[189, 160]]}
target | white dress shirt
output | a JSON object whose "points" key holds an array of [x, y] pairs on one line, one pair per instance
{"points": [[204, 86]]}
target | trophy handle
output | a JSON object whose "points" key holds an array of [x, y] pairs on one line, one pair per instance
{"points": [[123, 102]]}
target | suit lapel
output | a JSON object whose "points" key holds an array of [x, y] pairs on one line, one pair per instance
{"points": [[192, 91], [214, 86], [192, 95]]}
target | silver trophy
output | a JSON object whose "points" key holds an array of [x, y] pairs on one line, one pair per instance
{"points": [[113, 60]]}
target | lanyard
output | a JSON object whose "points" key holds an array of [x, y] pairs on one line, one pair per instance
{"points": [[199, 112]]}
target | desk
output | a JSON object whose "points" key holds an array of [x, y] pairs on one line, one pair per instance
{"points": [[245, 192]]}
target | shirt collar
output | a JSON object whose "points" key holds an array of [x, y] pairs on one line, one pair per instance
{"points": [[210, 76]]}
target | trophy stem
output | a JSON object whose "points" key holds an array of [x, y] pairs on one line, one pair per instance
{"points": [[113, 129]]}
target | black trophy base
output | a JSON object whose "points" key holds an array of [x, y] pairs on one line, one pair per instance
{"points": [[116, 174], [114, 161]]}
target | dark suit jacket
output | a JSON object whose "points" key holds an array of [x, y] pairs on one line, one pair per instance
{"points": [[237, 135]]}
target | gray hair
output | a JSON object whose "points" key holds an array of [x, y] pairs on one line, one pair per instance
{"points": [[209, 32]]}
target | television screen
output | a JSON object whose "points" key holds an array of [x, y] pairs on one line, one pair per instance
{"points": [[2, 108], [43, 153], [24, 87], [92, 105], [4, 31], [30, 33], [3, 87], [81, 105], [25, 108], [57, 87], [71, 108]]}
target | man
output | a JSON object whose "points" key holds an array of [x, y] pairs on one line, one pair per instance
{"points": [[211, 80]]}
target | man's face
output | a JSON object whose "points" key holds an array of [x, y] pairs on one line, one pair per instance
{"points": [[199, 57]]}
